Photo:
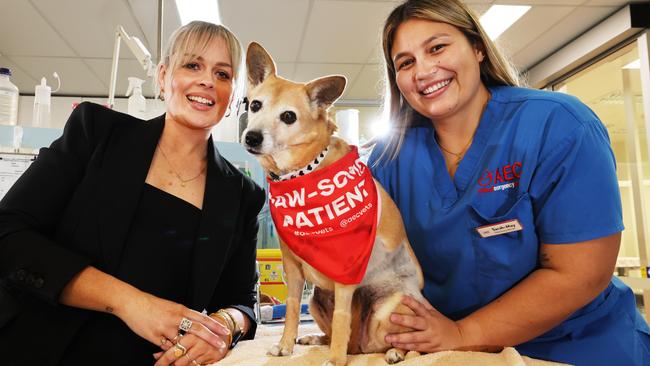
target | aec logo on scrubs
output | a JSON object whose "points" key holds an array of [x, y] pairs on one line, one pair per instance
{"points": [[501, 179]]}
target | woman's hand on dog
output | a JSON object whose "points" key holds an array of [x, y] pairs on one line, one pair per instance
{"points": [[431, 331]]}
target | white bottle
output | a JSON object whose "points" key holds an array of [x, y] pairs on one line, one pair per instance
{"points": [[42, 97], [137, 105], [8, 99]]}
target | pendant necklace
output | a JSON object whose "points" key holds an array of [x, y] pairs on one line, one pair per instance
{"points": [[173, 170]]}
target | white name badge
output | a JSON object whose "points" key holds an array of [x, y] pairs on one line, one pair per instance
{"points": [[499, 228]]}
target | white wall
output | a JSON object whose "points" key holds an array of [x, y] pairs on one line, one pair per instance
{"points": [[61, 108]]}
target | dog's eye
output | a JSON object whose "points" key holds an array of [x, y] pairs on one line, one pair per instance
{"points": [[288, 117], [255, 106]]}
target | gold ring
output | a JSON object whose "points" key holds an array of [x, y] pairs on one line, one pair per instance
{"points": [[176, 338], [193, 362], [179, 350]]}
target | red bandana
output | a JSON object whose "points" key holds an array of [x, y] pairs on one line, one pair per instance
{"points": [[329, 217]]}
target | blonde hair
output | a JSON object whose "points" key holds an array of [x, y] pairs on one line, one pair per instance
{"points": [[193, 39], [495, 68]]}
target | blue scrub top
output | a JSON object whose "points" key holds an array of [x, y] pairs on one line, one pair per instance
{"points": [[541, 158]]}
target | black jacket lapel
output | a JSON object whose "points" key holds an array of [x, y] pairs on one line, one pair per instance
{"points": [[221, 202], [125, 167]]}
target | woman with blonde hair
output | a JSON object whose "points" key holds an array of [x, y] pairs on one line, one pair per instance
{"points": [[509, 197], [141, 228]]}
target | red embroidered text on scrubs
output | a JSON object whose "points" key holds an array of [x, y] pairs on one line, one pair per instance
{"points": [[329, 217]]}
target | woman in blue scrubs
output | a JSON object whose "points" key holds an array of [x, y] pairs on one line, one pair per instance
{"points": [[509, 197]]}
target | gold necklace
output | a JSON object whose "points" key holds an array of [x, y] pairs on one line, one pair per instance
{"points": [[173, 170], [459, 156]]}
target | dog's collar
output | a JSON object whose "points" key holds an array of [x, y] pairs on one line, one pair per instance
{"points": [[304, 171]]}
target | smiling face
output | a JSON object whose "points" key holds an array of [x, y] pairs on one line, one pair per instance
{"points": [[199, 91], [437, 68]]}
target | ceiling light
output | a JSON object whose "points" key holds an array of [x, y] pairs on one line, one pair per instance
{"points": [[636, 64], [500, 17], [206, 10]]}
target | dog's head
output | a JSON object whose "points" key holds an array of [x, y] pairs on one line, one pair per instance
{"points": [[288, 122]]}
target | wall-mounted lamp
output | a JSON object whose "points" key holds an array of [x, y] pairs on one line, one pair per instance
{"points": [[139, 51]]}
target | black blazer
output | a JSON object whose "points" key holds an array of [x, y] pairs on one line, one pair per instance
{"points": [[73, 207]]}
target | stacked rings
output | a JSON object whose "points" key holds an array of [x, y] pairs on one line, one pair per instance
{"points": [[184, 326]]}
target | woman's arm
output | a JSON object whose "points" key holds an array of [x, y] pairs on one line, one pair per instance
{"points": [[33, 208], [569, 277], [152, 318]]}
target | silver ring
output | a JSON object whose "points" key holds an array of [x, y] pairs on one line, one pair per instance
{"points": [[184, 326]]}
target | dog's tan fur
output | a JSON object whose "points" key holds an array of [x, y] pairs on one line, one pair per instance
{"points": [[354, 318]]}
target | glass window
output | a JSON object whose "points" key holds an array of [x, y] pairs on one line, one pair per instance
{"points": [[611, 87]]}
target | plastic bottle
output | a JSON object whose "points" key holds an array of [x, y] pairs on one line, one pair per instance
{"points": [[137, 105], [18, 138], [8, 99], [42, 97]]}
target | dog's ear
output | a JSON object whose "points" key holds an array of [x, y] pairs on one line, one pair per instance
{"points": [[326, 90], [259, 64]]}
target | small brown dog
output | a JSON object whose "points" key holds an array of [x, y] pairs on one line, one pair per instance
{"points": [[289, 129]]}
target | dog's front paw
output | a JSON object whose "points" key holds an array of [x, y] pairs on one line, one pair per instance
{"points": [[394, 355], [279, 350], [314, 340]]}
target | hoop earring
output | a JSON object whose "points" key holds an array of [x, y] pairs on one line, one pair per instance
{"points": [[161, 96], [228, 112]]}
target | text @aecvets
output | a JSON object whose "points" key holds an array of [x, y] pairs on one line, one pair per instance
{"points": [[350, 219]]}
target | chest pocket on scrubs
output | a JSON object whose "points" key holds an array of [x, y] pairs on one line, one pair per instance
{"points": [[502, 260]]}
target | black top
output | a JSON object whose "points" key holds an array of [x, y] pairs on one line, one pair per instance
{"points": [[161, 239]]}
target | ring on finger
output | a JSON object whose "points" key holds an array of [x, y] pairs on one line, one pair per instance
{"points": [[193, 362], [163, 340], [184, 326], [179, 350], [176, 338]]}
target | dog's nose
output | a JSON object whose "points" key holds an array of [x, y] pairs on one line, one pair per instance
{"points": [[254, 138]]}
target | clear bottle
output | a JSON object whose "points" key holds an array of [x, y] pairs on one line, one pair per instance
{"points": [[42, 101], [137, 104], [8, 99]]}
